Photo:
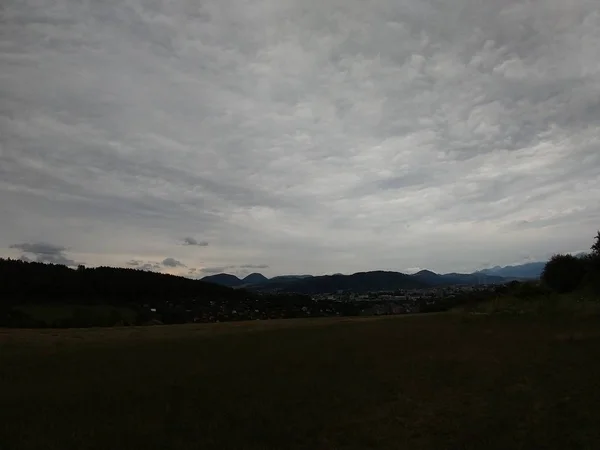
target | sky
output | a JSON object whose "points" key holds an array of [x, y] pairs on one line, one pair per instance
{"points": [[298, 136]]}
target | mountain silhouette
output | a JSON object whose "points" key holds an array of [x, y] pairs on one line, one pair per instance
{"points": [[255, 278], [528, 270], [224, 279], [375, 280]]}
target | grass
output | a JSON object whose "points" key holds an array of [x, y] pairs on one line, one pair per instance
{"points": [[52, 313], [573, 305], [421, 382]]}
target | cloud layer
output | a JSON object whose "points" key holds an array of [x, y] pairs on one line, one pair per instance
{"points": [[44, 253], [329, 136], [193, 241]]}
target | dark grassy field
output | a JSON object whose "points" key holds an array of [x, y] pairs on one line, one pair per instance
{"points": [[447, 381], [52, 313]]}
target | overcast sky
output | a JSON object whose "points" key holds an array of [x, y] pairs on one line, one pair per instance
{"points": [[298, 136]]}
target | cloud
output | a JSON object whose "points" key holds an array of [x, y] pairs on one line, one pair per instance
{"points": [[150, 267], [135, 262], [214, 270], [235, 269], [44, 253], [39, 248], [171, 262], [254, 266], [193, 241], [335, 138]]}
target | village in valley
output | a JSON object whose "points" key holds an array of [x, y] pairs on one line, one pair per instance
{"points": [[267, 306]]}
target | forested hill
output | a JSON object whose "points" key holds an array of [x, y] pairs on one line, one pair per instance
{"points": [[48, 283]]}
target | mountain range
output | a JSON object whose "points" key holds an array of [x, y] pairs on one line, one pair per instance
{"points": [[376, 280], [528, 270]]}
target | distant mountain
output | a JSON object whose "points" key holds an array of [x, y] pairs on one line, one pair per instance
{"points": [[255, 278], [429, 277], [529, 270], [472, 278], [289, 278], [224, 279], [358, 282], [375, 280], [450, 279]]}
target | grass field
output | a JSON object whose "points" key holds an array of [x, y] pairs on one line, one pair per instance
{"points": [[444, 381], [52, 313]]}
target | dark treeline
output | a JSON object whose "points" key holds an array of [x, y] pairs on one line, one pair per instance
{"points": [[29, 282]]}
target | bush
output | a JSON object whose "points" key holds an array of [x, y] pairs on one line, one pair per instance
{"points": [[564, 273], [530, 289]]}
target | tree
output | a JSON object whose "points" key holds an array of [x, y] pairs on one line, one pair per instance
{"points": [[596, 247], [564, 273]]}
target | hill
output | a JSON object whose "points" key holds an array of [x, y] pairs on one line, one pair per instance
{"points": [[280, 278], [255, 278], [429, 277], [48, 283], [472, 279], [223, 279]]}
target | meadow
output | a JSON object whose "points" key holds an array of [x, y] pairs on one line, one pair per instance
{"points": [[464, 380]]}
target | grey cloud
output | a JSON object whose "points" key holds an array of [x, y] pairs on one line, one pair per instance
{"points": [[193, 241], [172, 262], [333, 138], [213, 270], [57, 259], [237, 269], [135, 262], [40, 248], [150, 267], [45, 253]]}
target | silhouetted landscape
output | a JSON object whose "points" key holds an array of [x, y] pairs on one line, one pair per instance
{"points": [[290, 225], [51, 295], [509, 366], [42, 295], [107, 296]]}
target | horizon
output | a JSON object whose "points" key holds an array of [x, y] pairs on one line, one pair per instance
{"points": [[410, 271], [292, 138], [243, 270]]}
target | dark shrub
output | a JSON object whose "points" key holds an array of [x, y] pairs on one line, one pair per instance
{"points": [[564, 273]]}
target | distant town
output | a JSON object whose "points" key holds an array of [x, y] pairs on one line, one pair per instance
{"points": [[264, 306]]}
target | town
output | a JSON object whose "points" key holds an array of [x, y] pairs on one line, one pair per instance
{"points": [[265, 306]]}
